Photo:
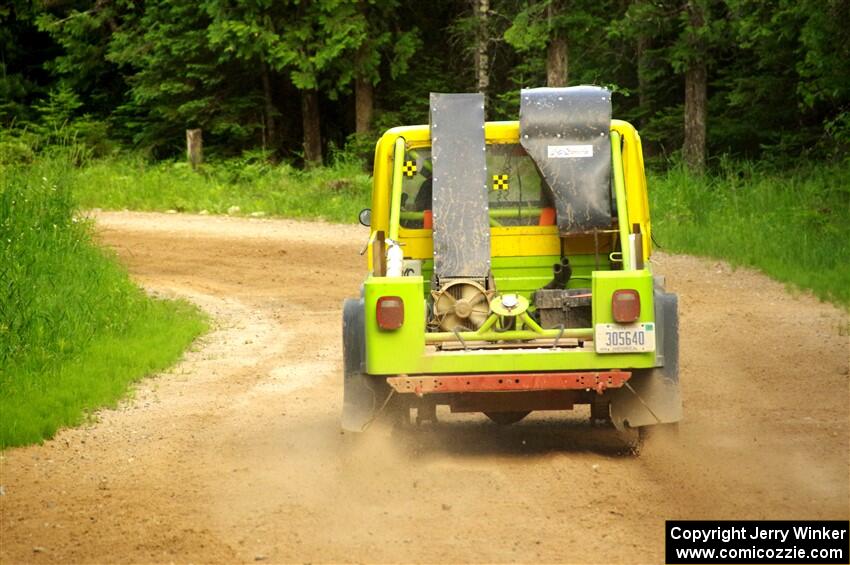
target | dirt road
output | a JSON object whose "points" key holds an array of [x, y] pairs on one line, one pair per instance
{"points": [[236, 454]]}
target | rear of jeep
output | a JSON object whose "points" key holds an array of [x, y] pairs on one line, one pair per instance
{"points": [[509, 270]]}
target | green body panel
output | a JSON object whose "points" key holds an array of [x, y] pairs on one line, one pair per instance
{"points": [[403, 350], [583, 267], [606, 282], [394, 348], [529, 360], [604, 285]]}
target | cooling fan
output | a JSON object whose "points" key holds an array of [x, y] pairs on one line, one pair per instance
{"points": [[461, 304]]}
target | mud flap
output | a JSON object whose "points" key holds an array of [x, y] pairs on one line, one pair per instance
{"points": [[653, 396], [359, 400]]}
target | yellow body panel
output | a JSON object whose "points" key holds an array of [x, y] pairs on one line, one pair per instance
{"points": [[523, 241], [505, 241]]}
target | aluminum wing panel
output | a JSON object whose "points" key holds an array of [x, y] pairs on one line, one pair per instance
{"points": [[459, 192], [567, 133]]}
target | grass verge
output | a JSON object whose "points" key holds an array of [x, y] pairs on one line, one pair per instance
{"points": [[74, 330], [335, 193], [793, 226]]}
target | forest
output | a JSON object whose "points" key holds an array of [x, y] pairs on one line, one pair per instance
{"points": [[703, 80]]}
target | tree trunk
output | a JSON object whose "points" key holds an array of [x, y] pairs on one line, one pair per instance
{"points": [[364, 100], [194, 147], [312, 127], [270, 134], [696, 87], [481, 9], [644, 100], [556, 62], [556, 52], [693, 150], [363, 104]]}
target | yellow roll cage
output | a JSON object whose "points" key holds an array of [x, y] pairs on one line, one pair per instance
{"points": [[508, 241]]}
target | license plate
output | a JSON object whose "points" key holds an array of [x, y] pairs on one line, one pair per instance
{"points": [[625, 338]]}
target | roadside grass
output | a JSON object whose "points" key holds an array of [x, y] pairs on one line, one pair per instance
{"points": [[793, 226], [335, 193], [74, 330]]}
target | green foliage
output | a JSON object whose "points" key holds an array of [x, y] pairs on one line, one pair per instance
{"points": [[23, 52], [794, 227], [530, 29], [304, 39], [580, 22], [82, 32], [826, 65], [144, 72], [57, 111], [177, 81], [74, 331], [13, 149]]}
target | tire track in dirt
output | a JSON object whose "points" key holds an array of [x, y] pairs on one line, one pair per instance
{"points": [[236, 454]]}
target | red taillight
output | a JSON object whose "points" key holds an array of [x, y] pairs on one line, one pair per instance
{"points": [[625, 305], [390, 312]]}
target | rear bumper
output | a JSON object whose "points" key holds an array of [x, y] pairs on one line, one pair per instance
{"points": [[421, 385]]}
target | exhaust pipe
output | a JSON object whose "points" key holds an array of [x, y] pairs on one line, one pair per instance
{"points": [[562, 272]]}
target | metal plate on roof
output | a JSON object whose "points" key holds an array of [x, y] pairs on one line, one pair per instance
{"points": [[567, 133], [460, 190]]}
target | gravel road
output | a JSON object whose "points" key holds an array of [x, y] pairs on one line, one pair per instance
{"points": [[235, 455]]}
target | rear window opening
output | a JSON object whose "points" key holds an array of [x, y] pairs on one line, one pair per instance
{"points": [[518, 195]]}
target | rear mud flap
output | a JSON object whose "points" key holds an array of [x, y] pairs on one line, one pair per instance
{"points": [[653, 397], [360, 401], [359, 405]]}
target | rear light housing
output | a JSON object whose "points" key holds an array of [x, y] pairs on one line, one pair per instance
{"points": [[390, 312], [625, 306]]}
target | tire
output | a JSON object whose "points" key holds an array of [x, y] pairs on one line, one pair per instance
{"points": [[506, 418]]}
